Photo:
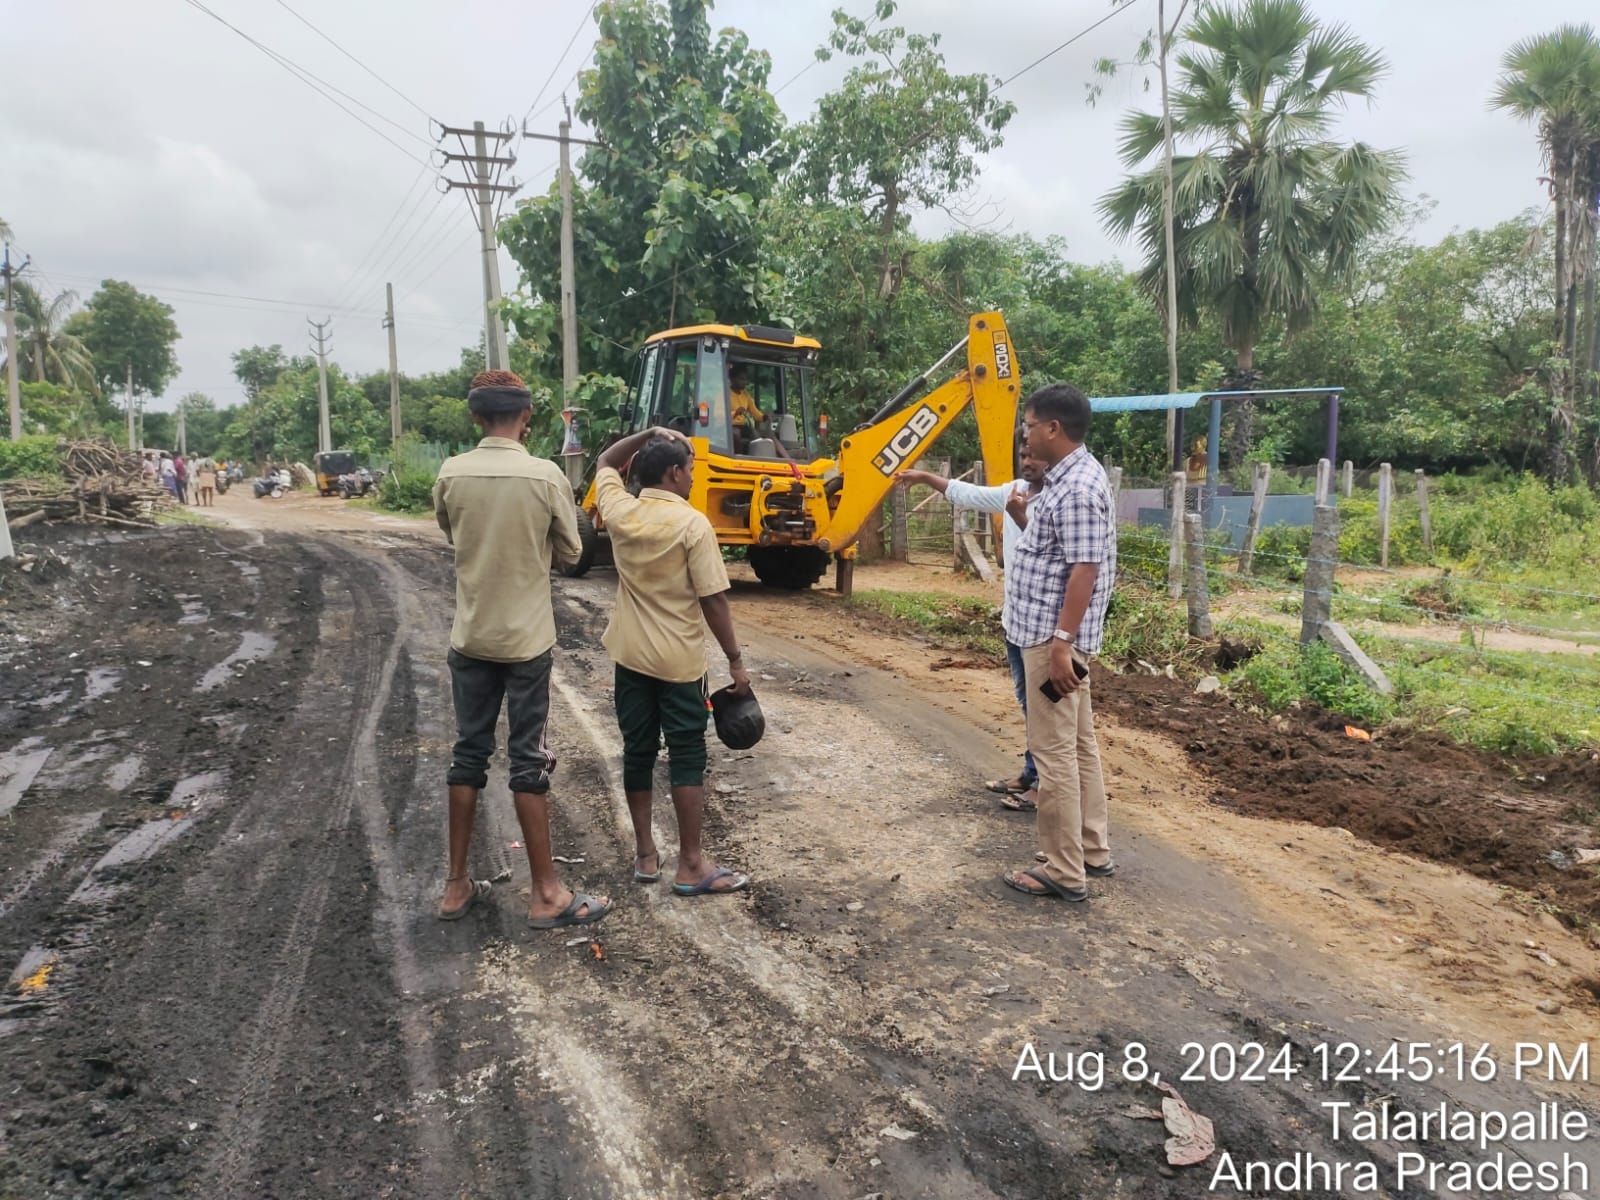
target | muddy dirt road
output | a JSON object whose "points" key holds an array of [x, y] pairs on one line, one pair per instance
{"points": [[221, 840]]}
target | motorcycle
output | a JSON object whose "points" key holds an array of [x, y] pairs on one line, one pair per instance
{"points": [[357, 483], [273, 485]]}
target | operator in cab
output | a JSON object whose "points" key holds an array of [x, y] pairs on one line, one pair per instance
{"points": [[745, 412]]}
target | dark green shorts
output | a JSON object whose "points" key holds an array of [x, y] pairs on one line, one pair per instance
{"points": [[649, 709]]}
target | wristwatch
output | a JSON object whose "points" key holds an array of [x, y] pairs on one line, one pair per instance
{"points": [[1068, 638]]}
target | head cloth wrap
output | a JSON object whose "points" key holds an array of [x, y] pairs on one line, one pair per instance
{"points": [[496, 393]]}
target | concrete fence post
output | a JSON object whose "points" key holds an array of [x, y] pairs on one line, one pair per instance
{"points": [[899, 526], [1316, 607], [1349, 479], [1258, 504], [1422, 511], [1385, 496], [1179, 484], [1199, 590], [1324, 481]]}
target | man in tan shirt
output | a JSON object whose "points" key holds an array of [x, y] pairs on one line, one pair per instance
{"points": [[671, 585], [508, 516]]}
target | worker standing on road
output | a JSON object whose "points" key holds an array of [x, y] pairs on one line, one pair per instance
{"points": [[1057, 594], [206, 481], [508, 515], [671, 585], [1020, 794]]}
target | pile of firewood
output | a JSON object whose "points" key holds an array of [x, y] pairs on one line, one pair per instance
{"points": [[100, 484]]}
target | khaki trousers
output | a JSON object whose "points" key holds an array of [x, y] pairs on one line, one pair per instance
{"points": [[1072, 790]]}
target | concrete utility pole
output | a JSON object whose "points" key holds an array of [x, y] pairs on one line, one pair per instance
{"points": [[482, 172], [133, 440], [13, 387], [569, 289], [324, 432], [394, 368], [183, 433]]}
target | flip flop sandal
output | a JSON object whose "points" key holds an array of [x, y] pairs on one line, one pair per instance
{"points": [[1019, 802], [480, 889], [1002, 787], [569, 915], [705, 886], [647, 876], [1051, 887]]}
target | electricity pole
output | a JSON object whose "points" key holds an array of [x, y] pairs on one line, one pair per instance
{"points": [[394, 368], [324, 433], [483, 171], [569, 292], [13, 388], [183, 434], [133, 441]]}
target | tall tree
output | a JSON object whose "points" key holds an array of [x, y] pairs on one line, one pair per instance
{"points": [[1267, 206], [258, 367], [42, 339], [664, 210], [901, 132], [122, 327], [1554, 80]]}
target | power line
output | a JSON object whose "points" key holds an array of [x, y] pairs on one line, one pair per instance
{"points": [[306, 78], [399, 255], [570, 43], [1075, 37], [355, 60], [384, 258], [372, 249], [796, 75]]}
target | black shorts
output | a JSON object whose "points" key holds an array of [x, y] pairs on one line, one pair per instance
{"points": [[477, 687]]}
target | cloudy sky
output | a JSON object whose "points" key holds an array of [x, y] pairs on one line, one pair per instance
{"points": [[146, 141]]}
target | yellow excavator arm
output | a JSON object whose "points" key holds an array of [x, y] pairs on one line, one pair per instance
{"points": [[907, 427]]}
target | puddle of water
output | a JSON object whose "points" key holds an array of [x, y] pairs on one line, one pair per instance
{"points": [[248, 570], [18, 767], [120, 778], [194, 613], [72, 832], [50, 701], [252, 646], [190, 793], [102, 681], [138, 844], [228, 726]]}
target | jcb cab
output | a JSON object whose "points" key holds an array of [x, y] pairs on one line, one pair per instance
{"points": [[762, 476]]}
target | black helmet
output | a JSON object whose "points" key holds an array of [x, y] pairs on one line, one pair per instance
{"points": [[739, 720]]}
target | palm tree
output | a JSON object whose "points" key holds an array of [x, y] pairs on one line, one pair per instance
{"points": [[1554, 79], [58, 356], [1266, 205]]}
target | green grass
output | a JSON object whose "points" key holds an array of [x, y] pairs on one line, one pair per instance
{"points": [[957, 621], [184, 515]]}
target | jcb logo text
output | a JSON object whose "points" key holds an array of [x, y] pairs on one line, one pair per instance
{"points": [[905, 444]]}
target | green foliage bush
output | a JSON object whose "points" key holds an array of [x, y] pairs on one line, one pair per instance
{"points": [[1283, 673], [408, 485], [29, 457]]}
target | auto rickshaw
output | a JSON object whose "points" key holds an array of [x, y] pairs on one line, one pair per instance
{"points": [[331, 464]]}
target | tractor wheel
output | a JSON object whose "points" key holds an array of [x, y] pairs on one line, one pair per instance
{"points": [[589, 539], [792, 567]]}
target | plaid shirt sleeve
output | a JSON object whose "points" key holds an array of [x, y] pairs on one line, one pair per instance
{"points": [[1082, 522]]}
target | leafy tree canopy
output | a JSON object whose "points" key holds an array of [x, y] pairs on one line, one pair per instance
{"points": [[121, 326]]}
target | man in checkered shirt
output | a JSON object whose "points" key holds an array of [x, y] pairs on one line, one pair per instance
{"points": [[1057, 592]]}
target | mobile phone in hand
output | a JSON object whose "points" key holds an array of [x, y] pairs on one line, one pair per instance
{"points": [[1048, 688]]}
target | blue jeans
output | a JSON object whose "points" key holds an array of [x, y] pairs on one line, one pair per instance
{"points": [[1019, 679]]}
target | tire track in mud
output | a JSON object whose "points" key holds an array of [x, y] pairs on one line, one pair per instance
{"points": [[270, 1031]]}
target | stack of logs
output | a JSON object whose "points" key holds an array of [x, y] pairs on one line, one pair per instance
{"points": [[101, 484]]}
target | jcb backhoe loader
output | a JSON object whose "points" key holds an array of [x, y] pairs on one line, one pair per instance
{"points": [[743, 395]]}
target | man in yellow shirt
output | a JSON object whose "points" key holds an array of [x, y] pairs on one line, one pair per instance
{"points": [[508, 515], [671, 585], [745, 412]]}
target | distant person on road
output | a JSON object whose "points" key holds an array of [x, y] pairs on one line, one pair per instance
{"points": [[671, 584], [1057, 594], [169, 474], [180, 470], [206, 484], [509, 516], [1020, 793]]}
